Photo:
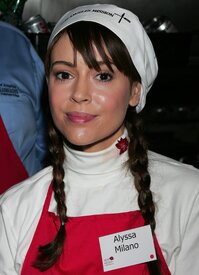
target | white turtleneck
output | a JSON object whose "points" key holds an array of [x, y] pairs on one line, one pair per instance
{"points": [[98, 182]]}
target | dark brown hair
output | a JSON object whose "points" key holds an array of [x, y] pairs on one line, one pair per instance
{"points": [[83, 36]]}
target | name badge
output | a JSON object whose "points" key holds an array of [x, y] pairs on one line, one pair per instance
{"points": [[127, 248]]}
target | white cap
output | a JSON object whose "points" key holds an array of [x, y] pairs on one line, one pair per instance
{"points": [[128, 28]]}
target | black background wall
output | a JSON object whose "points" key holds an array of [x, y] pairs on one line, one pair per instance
{"points": [[183, 13]]}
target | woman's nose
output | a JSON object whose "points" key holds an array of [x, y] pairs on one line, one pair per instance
{"points": [[81, 91]]}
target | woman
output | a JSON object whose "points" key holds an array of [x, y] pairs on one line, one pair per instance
{"points": [[106, 203]]}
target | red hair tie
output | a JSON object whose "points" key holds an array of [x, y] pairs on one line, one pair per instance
{"points": [[122, 145]]}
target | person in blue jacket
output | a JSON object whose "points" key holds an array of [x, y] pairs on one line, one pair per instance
{"points": [[22, 81]]}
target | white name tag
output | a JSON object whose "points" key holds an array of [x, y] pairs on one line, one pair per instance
{"points": [[127, 248]]}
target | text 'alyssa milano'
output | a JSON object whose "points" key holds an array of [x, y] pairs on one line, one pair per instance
{"points": [[120, 246]]}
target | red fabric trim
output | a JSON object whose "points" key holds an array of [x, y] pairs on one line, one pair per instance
{"points": [[11, 167]]}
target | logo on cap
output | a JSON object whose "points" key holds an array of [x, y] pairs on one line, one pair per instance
{"points": [[122, 17]]}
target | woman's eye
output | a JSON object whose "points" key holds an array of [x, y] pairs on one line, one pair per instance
{"points": [[104, 76], [63, 75]]}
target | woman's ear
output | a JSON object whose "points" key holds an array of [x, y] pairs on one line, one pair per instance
{"points": [[135, 94]]}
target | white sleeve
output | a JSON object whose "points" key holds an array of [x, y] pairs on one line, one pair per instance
{"points": [[8, 245], [187, 261]]}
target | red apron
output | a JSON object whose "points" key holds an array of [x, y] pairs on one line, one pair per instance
{"points": [[81, 255], [12, 169]]}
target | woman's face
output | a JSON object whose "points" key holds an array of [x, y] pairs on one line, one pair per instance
{"points": [[87, 106]]}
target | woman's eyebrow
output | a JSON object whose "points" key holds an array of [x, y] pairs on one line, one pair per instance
{"points": [[101, 62], [67, 63], [72, 65]]}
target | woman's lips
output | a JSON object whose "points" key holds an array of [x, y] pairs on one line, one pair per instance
{"points": [[80, 117]]}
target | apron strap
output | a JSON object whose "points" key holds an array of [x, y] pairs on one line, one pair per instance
{"points": [[48, 198]]}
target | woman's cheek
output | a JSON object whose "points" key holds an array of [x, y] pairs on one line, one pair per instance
{"points": [[104, 101], [55, 97]]}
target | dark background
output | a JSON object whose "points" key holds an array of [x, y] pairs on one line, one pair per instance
{"points": [[183, 13]]}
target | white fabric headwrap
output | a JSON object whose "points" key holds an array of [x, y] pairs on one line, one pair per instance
{"points": [[128, 28]]}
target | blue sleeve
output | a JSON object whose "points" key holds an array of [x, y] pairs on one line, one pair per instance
{"points": [[22, 79], [41, 137]]}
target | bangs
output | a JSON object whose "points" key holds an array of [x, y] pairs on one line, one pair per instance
{"points": [[85, 35]]}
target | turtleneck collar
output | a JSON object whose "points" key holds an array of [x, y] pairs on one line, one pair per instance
{"points": [[93, 181], [95, 163]]}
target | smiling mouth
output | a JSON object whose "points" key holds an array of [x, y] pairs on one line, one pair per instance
{"points": [[80, 117]]}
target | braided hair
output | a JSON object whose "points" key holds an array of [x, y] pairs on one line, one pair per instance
{"points": [[83, 35], [138, 165]]}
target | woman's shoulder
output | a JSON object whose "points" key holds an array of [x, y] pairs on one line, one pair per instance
{"points": [[31, 191], [169, 176], [21, 208], [175, 187]]}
